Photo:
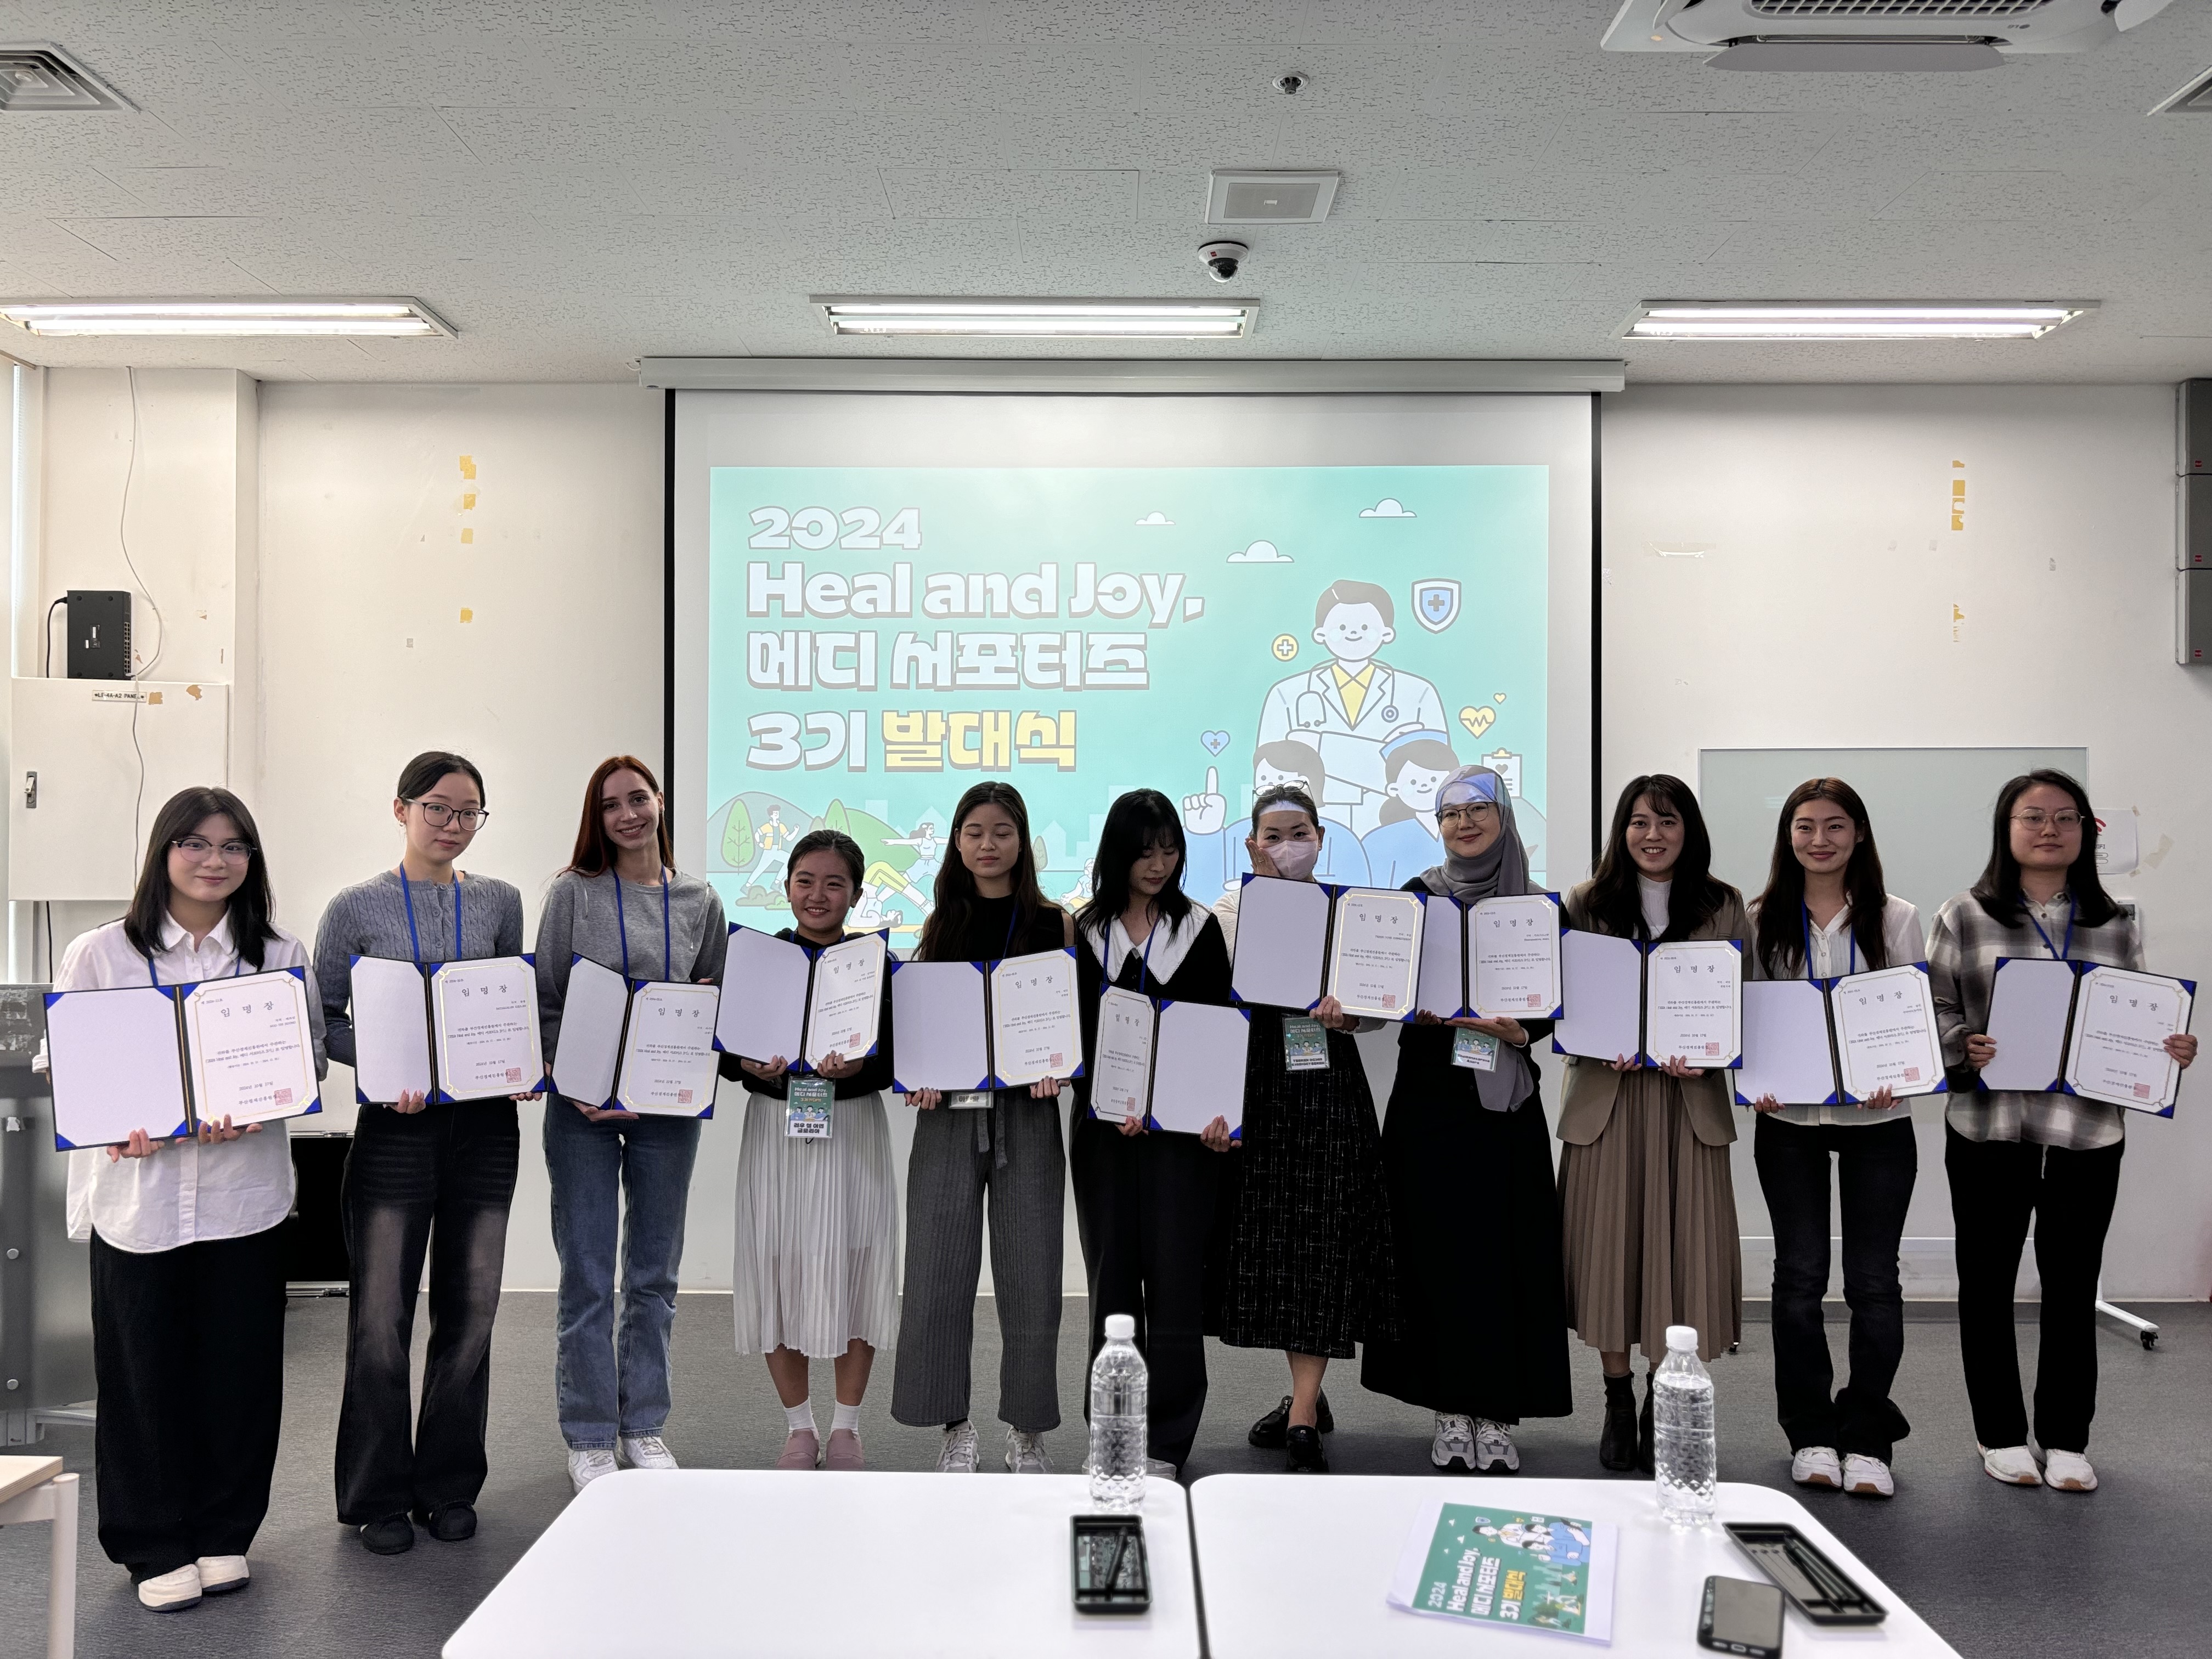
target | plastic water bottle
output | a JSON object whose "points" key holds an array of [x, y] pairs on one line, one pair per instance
{"points": [[1119, 1428], [1684, 1461]]}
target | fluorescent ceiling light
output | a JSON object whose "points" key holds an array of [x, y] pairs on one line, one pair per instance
{"points": [[388, 319], [1832, 319], [1041, 320]]}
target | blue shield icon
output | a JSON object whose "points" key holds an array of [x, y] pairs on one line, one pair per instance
{"points": [[1436, 604]]}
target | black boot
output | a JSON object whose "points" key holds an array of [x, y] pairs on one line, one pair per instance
{"points": [[1644, 1428], [1616, 1443]]}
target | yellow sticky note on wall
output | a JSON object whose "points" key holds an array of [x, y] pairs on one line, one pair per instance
{"points": [[467, 615], [468, 501], [468, 467], [468, 537], [153, 699]]}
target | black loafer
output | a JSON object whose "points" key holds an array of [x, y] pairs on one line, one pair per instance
{"points": [[1268, 1432], [449, 1523], [1306, 1457], [393, 1535], [1616, 1442]]}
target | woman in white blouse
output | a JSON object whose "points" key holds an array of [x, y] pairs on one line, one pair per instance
{"points": [[1825, 914], [187, 1282]]}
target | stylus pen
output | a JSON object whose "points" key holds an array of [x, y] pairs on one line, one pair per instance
{"points": [[1113, 1568]]}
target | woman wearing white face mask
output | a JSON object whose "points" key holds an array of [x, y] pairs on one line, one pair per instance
{"points": [[1310, 1264]]}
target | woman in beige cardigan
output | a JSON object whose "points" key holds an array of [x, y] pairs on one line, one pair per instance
{"points": [[1648, 1206]]}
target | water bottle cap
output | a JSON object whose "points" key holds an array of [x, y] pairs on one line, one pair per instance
{"points": [[1122, 1328], [1680, 1338]]}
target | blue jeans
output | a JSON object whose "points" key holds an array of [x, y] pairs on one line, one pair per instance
{"points": [[607, 1387]]}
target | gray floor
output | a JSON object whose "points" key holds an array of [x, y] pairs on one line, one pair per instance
{"points": [[1998, 1570]]}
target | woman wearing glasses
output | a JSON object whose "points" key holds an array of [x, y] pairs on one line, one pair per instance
{"points": [[2015, 1157], [413, 1161]]}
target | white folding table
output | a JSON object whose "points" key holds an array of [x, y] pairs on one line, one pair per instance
{"points": [[35, 1489], [1299, 1566], [771, 1561]]}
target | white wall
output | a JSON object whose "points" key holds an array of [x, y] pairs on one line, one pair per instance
{"points": [[1822, 613]]}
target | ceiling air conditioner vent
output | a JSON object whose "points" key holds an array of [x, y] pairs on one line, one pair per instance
{"points": [[45, 77], [1872, 35], [1952, 10]]}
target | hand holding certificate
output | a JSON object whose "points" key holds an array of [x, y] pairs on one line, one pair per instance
{"points": [[1172, 1065], [1673, 1005], [453, 1030], [787, 1002], [647, 1047], [1299, 941], [2092, 1030], [1373, 954], [965, 1026]]}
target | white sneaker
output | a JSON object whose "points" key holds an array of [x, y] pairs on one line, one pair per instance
{"points": [[1493, 1445], [1026, 1454], [1455, 1441], [2068, 1472], [586, 1467], [960, 1454], [220, 1574], [645, 1452], [1868, 1477], [172, 1592], [1817, 1466], [2014, 1465]]}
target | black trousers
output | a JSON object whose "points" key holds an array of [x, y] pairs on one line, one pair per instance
{"points": [[439, 1180], [1996, 1186], [1143, 1209], [1876, 1164], [188, 1354]]}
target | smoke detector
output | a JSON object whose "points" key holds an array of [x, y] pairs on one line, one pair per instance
{"points": [[44, 78], [1871, 35]]}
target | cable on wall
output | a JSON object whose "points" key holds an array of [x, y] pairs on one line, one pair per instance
{"points": [[161, 642]]}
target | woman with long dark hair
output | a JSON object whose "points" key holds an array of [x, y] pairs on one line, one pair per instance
{"points": [[1145, 1199], [1000, 1145], [620, 1179], [1825, 913], [2013, 1157], [416, 1161], [1649, 1209], [187, 1279]]}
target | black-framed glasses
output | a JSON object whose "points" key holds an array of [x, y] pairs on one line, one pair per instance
{"points": [[198, 847], [438, 815], [2060, 821], [1468, 812]]}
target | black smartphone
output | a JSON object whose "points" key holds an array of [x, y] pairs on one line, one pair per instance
{"points": [[1111, 1573], [1741, 1616]]}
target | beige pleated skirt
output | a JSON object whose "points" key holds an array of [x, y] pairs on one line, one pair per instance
{"points": [[1650, 1236]]}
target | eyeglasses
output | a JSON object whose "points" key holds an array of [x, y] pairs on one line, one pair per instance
{"points": [[196, 847], [2036, 821], [438, 815], [1472, 812]]}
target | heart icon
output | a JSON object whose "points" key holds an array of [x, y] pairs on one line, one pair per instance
{"points": [[1498, 696], [1215, 742], [1477, 721]]}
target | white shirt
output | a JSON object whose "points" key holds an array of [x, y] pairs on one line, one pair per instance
{"points": [[185, 1192], [1656, 896], [1835, 953]]}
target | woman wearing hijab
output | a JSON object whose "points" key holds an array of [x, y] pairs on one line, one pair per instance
{"points": [[1481, 1321]]}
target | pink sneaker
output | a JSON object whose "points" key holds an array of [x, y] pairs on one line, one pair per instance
{"points": [[844, 1451], [800, 1451]]}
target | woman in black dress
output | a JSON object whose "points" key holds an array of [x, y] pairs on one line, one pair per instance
{"points": [[1482, 1323]]}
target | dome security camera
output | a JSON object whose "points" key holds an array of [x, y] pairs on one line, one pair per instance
{"points": [[1223, 260]]}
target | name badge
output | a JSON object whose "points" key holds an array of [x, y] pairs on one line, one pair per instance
{"points": [[806, 1108], [1305, 1044], [1476, 1050]]}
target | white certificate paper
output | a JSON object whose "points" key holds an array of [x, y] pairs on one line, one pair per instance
{"points": [[250, 1048], [588, 1052], [1374, 955], [484, 1015], [668, 1062], [112, 1058], [1200, 1072], [846, 1003], [1282, 933], [391, 1031], [1691, 1011], [1442, 988], [1886, 1033], [1122, 1064], [1785, 1044], [1513, 956], [2121, 1021], [1601, 985], [1035, 1029], [764, 1009], [2030, 999], [940, 1018]]}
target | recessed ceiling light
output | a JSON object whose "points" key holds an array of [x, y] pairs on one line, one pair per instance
{"points": [[1041, 320], [390, 319], [1851, 319]]}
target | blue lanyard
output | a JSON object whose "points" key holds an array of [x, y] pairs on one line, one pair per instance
{"points": [[2060, 951], [1807, 913], [667, 948], [413, 942]]}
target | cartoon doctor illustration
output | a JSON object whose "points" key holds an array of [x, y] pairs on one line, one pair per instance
{"points": [[1349, 707]]}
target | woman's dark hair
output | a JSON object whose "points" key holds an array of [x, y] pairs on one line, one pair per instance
{"points": [[249, 908], [1999, 890], [595, 848], [1284, 794], [1614, 902], [827, 841], [420, 776], [1135, 824], [954, 900], [1782, 923]]}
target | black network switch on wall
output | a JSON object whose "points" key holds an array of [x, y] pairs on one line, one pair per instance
{"points": [[99, 633]]}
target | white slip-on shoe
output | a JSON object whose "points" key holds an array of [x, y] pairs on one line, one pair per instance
{"points": [[960, 1454], [2068, 1472], [1026, 1454], [588, 1465], [645, 1452], [171, 1592], [1494, 1444], [1868, 1477], [1160, 1468], [1817, 1466], [2014, 1465], [221, 1574], [1455, 1441]]}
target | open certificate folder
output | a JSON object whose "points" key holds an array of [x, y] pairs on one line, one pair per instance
{"points": [[1489, 1564], [1497, 958], [2081, 1028], [1297, 940], [802, 1004], [167, 1058], [969, 1026], [452, 1030], [1653, 1002], [1821, 1042], [643, 1045], [1174, 1066]]}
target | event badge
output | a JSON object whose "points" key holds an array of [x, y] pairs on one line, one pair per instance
{"points": [[1476, 1050], [1305, 1044], [807, 1108]]}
